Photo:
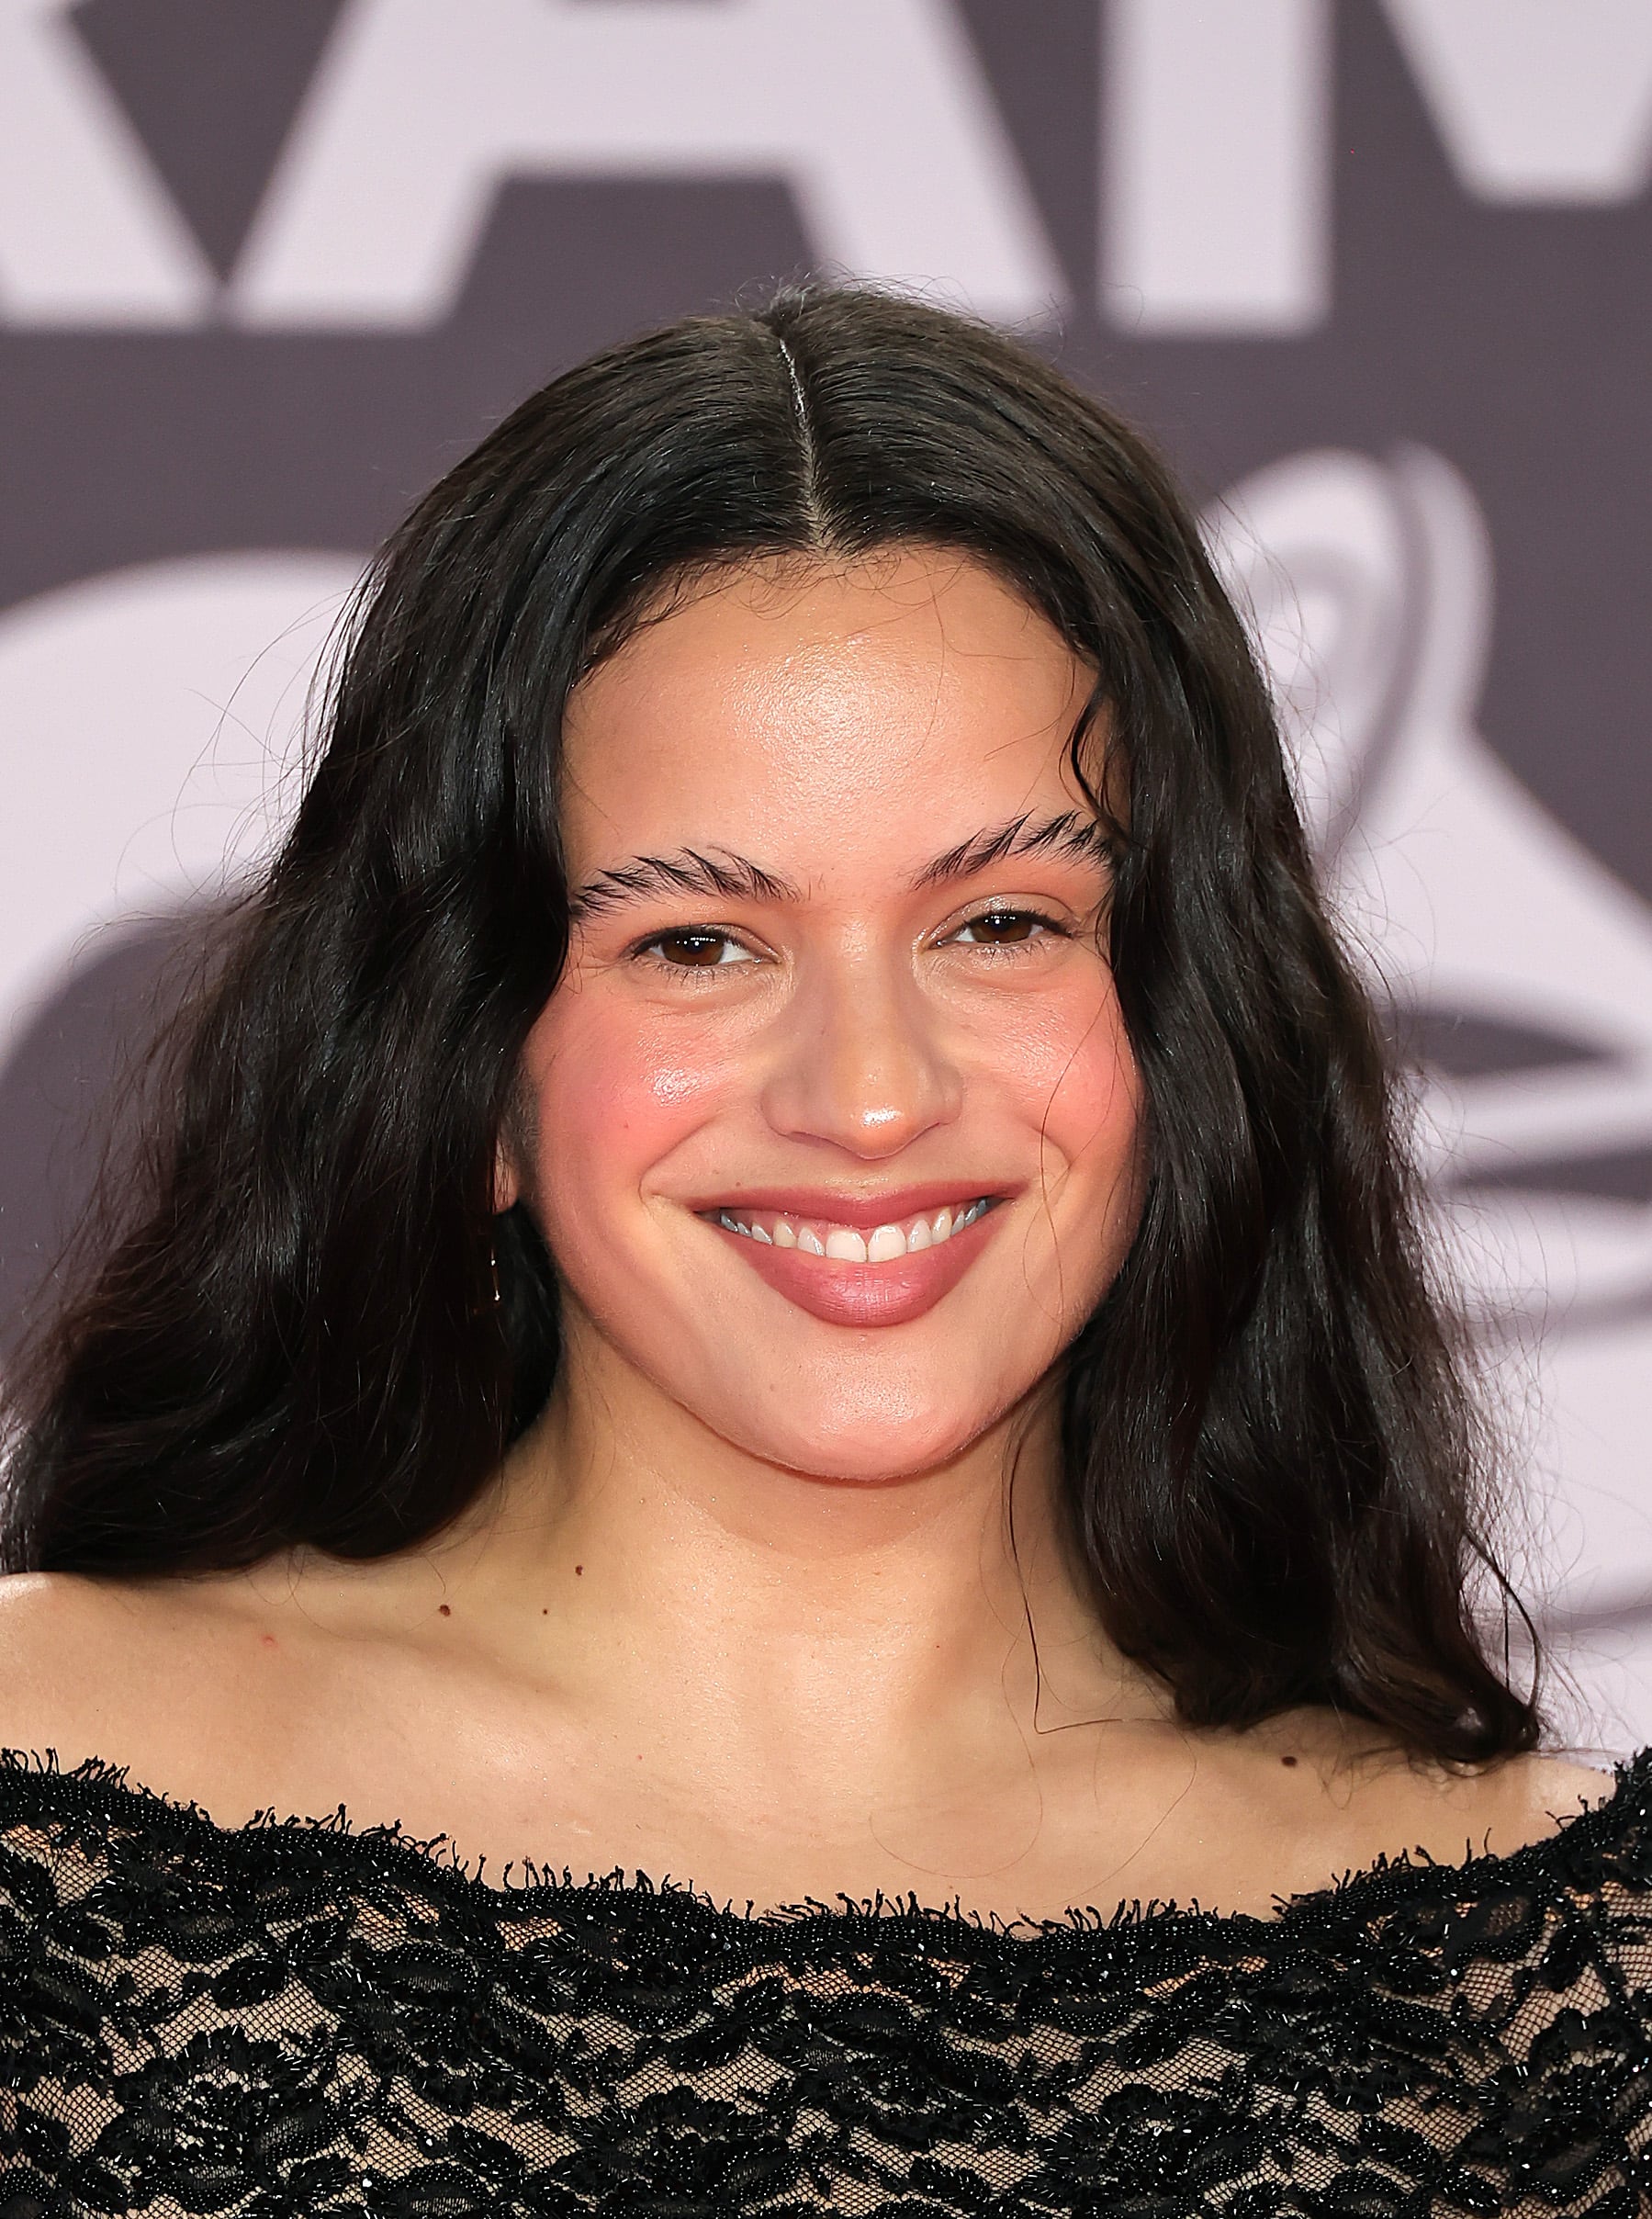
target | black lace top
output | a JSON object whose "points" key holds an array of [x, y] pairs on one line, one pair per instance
{"points": [[296, 2018]]}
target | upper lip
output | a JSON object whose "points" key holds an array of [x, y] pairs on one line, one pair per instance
{"points": [[864, 1211]]}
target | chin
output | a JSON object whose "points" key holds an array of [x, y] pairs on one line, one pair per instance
{"points": [[868, 1449]]}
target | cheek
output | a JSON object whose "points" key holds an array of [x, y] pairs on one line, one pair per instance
{"points": [[614, 1093], [1070, 1066], [1080, 1091]]}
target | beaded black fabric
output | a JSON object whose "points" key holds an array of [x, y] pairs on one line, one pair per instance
{"points": [[297, 2018]]}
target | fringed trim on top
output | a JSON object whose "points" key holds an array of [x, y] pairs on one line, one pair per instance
{"points": [[95, 1787]]}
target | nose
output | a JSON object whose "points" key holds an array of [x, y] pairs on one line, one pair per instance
{"points": [[858, 1062]]}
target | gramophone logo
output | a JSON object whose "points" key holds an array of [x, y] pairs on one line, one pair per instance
{"points": [[1519, 967]]}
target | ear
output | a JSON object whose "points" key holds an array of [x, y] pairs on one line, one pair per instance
{"points": [[513, 1147], [507, 1175]]}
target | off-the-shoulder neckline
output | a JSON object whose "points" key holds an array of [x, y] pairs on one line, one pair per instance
{"points": [[1386, 1884]]}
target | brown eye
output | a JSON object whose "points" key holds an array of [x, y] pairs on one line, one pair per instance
{"points": [[1009, 928], [693, 951]]}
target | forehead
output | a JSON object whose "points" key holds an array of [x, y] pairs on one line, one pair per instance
{"points": [[795, 699]]}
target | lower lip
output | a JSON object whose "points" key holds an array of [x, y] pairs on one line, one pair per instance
{"points": [[865, 1294]]}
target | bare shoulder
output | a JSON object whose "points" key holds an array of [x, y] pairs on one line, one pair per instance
{"points": [[230, 1689], [1331, 1796], [101, 1667], [1543, 1791], [68, 1645], [54, 1624], [1494, 1808]]}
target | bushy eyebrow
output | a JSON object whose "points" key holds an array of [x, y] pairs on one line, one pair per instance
{"points": [[688, 872], [1084, 839], [737, 878]]}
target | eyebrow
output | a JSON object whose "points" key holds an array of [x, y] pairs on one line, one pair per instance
{"points": [[1083, 839], [737, 878]]}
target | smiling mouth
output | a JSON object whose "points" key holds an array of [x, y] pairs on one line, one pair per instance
{"points": [[902, 1237]]}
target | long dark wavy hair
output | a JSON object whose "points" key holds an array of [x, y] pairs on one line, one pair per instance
{"points": [[1270, 1460]]}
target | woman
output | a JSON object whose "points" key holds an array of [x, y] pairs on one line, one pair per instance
{"points": [[781, 1267]]}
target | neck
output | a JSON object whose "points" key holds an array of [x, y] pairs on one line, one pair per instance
{"points": [[809, 1631]]}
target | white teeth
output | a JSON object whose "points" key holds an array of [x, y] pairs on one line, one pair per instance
{"points": [[844, 1245]]}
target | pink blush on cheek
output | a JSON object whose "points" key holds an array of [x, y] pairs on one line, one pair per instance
{"points": [[1074, 1075], [613, 1102], [614, 1121]]}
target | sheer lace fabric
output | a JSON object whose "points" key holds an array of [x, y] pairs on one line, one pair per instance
{"points": [[295, 2018]]}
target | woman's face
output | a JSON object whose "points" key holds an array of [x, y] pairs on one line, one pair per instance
{"points": [[803, 999]]}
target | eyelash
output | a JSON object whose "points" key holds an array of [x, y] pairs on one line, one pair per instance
{"points": [[998, 950]]}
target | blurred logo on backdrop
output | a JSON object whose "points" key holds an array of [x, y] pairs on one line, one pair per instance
{"points": [[151, 746], [1518, 967]]}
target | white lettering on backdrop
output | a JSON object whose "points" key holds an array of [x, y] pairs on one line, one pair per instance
{"points": [[1214, 208], [875, 112], [1534, 102], [1215, 138], [88, 234]]}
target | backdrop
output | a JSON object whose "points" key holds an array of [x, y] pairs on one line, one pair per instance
{"points": [[1374, 271]]}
